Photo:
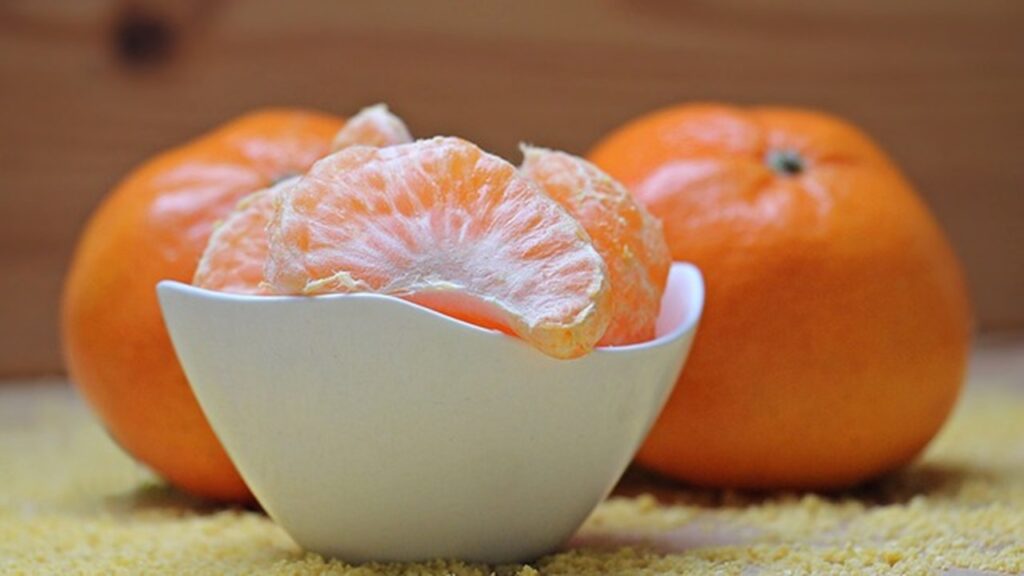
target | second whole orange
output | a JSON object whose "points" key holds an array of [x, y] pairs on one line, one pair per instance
{"points": [[836, 330]]}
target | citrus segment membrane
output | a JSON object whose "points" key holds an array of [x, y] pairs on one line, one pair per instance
{"points": [[237, 250], [445, 224], [629, 239], [372, 126], [235, 255]]}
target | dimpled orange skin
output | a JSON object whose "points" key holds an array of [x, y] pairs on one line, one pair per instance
{"points": [[152, 227], [837, 323]]}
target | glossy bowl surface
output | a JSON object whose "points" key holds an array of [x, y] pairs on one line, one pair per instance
{"points": [[371, 428]]}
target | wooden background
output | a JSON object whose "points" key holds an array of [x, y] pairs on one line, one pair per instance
{"points": [[89, 88]]}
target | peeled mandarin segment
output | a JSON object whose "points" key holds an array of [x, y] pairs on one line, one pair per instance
{"points": [[372, 126], [234, 257], [443, 223], [629, 239], [236, 253]]}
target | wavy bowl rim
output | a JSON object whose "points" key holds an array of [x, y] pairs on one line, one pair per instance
{"points": [[694, 290]]}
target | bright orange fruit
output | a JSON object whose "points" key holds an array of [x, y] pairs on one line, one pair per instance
{"points": [[153, 227], [835, 335], [237, 250], [628, 238], [444, 224]]}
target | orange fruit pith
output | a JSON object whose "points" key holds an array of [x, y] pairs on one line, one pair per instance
{"points": [[444, 224], [236, 253], [837, 324], [153, 227], [237, 249], [628, 238], [372, 126]]}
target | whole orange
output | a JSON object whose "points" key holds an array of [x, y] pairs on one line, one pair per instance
{"points": [[837, 324], [154, 226]]}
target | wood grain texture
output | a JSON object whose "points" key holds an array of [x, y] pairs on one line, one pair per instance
{"points": [[89, 89]]}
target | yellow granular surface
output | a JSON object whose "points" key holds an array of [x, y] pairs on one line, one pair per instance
{"points": [[72, 503]]}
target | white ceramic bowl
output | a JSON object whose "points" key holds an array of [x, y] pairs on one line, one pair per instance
{"points": [[371, 428]]}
